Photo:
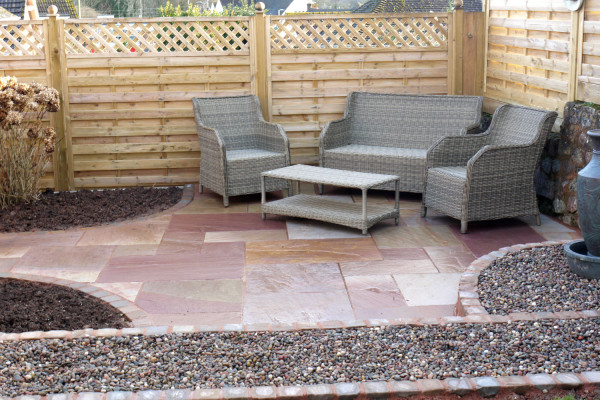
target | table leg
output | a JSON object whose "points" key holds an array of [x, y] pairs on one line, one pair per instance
{"points": [[263, 196], [397, 194], [297, 187], [364, 211]]}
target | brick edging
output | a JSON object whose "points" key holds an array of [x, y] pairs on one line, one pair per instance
{"points": [[459, 387], [469, 306]]}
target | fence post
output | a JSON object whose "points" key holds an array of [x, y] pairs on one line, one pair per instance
{"points": [[575, 52], [63, 174], [261, 58], [458, 23]]}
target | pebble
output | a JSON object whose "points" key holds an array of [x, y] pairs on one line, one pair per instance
{"points": [[535, 280], [219, 359]]}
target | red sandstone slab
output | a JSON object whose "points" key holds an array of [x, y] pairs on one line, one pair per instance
{"points": [[196, 223], [179, 242], [168, 267], [293, 278], [404, 254], [437, 311], [373, 292], [484, 237]]}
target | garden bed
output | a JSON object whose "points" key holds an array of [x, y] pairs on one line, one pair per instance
{"points": [[63, 210]]}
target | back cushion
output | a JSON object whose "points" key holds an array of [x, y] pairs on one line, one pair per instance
{"points": [[235, 118], [409, 121]]}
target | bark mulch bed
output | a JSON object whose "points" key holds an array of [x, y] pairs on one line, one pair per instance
{"points": [[35, 306], [55, 211]]}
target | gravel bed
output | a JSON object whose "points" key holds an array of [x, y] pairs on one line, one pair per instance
{"points": [[535, 280], [214, 360]]}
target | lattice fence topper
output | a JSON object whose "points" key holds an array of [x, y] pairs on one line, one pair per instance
{"points": [[156, 36], [26, 39], [362, 32]]}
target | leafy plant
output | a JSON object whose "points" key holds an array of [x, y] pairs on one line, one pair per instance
{"points": [[26, 145], [243, 9]]}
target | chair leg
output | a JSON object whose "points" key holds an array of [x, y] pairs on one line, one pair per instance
{"points": [[320, 187], [226, 201], [463, 226], [423, 211], [201, 189], [538, 220]]}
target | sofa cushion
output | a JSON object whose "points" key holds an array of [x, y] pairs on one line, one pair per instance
{"points": [[361, 149]]}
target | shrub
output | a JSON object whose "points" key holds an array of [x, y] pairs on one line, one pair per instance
{"points": [[26, 145], [244, 8]]}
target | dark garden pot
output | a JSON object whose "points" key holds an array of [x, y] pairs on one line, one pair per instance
{"points": [[588, 198]]}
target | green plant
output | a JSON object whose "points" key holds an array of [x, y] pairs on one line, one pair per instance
{"points": [[243, 9], [26, 145]]}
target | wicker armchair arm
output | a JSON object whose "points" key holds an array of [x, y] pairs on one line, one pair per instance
{"points": [[452, 151], [497, 161], [472, 129], [212, 147], [272, 137], [335, 134]]}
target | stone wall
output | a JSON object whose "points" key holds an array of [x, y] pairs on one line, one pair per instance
{"points": [[565, 154]]}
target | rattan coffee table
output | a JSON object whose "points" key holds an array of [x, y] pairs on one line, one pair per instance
{"points": [[322, 208]]}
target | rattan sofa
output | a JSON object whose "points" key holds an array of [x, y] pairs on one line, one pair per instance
{"points": [[391, 133], [489, 175], [236, 145]]}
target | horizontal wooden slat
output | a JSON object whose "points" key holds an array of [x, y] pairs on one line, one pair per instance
{"points": [[111, 97], [132, 114], [590, 70], [292, 109], [540, 82], [323, 93], [589, 92], [126, 181], [591, 27], [334, 56], [532, 24], [135, 148], [530, 43], [165, 130], [358, 74], [589, 79], [530, 61], [527, 99], [173, 60], [110, 165], [591, 48], [159, 79]]}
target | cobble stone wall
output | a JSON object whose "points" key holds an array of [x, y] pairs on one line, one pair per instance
{"points": [[564, 155]]}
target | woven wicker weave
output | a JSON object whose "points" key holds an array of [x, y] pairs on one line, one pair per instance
{"points": [[236, 145], [490, 175], [391, 133]]}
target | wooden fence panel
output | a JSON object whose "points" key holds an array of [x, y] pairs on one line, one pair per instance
{"points": [[589, 78], [317, 61], [528, 53], [131, 116]]}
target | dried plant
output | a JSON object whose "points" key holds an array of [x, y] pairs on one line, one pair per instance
{"points": [[26, 145]]}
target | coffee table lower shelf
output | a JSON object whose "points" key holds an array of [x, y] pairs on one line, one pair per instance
{"points": [[328, 210]]}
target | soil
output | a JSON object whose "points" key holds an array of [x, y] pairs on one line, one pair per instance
{"points": [[35, 306], [62, 210]]}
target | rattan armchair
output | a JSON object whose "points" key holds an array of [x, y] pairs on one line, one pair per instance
{"points": [[236, 145], [489, 175]]}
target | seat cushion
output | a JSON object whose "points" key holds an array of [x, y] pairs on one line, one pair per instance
{"points": [[249, 154], [379, 151]]}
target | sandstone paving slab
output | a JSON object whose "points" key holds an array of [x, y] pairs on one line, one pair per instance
{"points": [[289, 308], [82, 264], [6, 264], [11, 251], [487, 236], [402, 254], [135, 250], [392, 236], [246, 236], [309, 229], [212, 205], [428, 289], [41, 238], [451, 259], [179, 297], [194, 318], [387, 267], [311, 251], [127, 290], [390, 313], [194, 223], [180, 242], [374, 291], [125, 234], [292, 278]]}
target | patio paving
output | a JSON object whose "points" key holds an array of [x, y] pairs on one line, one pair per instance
{"points": [[204, 264]]}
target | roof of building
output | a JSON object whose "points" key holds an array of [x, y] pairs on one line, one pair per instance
{"points": [[66, 8], [272, 6], [398, 6], [5, 14]]}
